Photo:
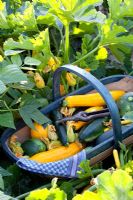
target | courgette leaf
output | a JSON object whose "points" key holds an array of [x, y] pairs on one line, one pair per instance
{"points": [[112, 34], [16, 59], [1, 183], [76, 10], [5, 197], [12, 52], [6, 119], [3, 16], [38, 42], [29, 111], [12, 74], [31, 61], [24, 20], [120, 8], [4, 172], [116, 186], [2, 87]]}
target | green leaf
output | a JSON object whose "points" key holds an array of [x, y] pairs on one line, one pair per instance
{"points": [[29, 111], [6, 119], [28, 114], [114, 186], [85, 169], [5, 197], [121, 180], [11, 181], [120, 8], [12, 52], [28, 99], [1, 183], [114, 8], [16, 59], [76, 5], [37, 42], [47, 19], [75, 10], [27, 119], [120, 51], [31, 61], [128, 116], [86, 47], [23, 43], [111, 34], [4, 172], [3, 16], [126, 9], [2, 87], [38, 117], [12, 74], [68, 189], [25, 20]]}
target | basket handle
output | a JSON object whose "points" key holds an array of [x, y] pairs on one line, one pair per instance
{"points": [[113, 109]]}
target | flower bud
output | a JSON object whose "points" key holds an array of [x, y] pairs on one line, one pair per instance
{"points": [[39, 81], [70, 79]]}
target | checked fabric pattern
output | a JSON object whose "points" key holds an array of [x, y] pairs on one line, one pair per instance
{"points": [[63, 168]]}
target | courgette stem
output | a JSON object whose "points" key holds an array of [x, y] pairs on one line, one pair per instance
{"points": [[82, 184], [86, 56], [121, 158], [92, 188], [66, 53], [95, 172]]}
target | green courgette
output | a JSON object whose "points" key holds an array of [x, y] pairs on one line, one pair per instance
{"points": [[61, 130], [125, 103], [92, 131], [33, 146]]}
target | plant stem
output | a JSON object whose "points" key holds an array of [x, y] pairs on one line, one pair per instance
{"points": [[85, 56], [82, 184], [55, 42], [11, 110], [1, 51], [94, 40], [66, 53], [92, 188], [65, 84]]}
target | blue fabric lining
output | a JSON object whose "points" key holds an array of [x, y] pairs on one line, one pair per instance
{"points": [[63, 168]]}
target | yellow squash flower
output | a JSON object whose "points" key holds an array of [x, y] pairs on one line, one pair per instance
{"points": [[102, 54], [62, 90], [70, 79], [39, 81]]}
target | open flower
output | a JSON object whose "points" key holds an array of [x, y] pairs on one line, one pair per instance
{"points": [[102, 54]]}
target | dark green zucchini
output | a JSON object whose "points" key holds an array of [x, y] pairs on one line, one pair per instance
{"points": [[92, 131], [61, 130], [125, 103]]}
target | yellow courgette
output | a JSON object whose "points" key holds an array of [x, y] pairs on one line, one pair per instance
{"points": [[58, 153], [39, 132], [94, 99]]}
